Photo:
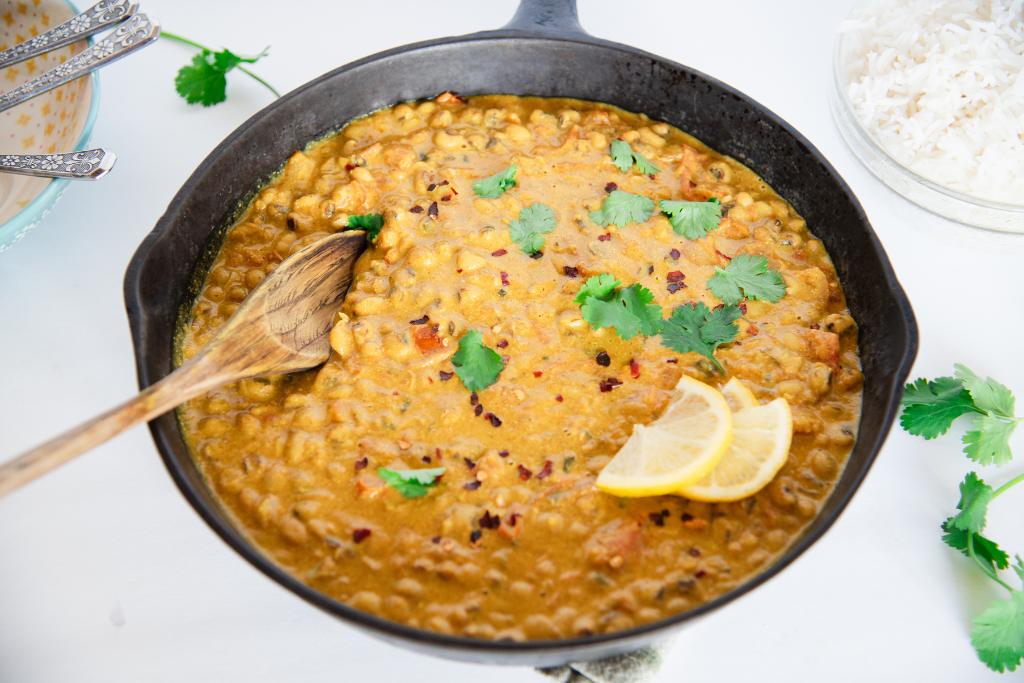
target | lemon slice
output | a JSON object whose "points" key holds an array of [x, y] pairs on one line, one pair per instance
{"points": [[677, 449], [737, 395], [759, 448]]}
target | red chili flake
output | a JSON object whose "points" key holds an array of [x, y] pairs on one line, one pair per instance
{"points": [[524, 472], [432, 210], [611, 187], [700, 574], [478, 410], [658, 517], [605, 237], [694, 552], [503, 454], [489, 521], [502, 343], [634, 368], [675, 254], [650, 269], [513, 518], [420, 321], [571, 271], [435, 540], [603, 359], [559, 398], [426, 339], [692, 184], [445, 376], [426, 459], [494, 419], [469, 463], [431, 186], [813, 326], [472, 485], [360, 535], [673, 361], [473, 399], [743, 308], [442, 183], [545, 471], [458, 270], [437, 453], [727, 258], [686, 517], [537, 255], [475, 535], [446, 198], [362, 462], [504, 279], [674, 287], [752, 330], [718, 307], [609, 384], [499, 252], [349, 166], [676, 276]]}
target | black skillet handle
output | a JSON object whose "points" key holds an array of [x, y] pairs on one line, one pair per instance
{"points": [[557, 17]]}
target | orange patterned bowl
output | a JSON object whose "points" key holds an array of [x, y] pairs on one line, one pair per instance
{"points": [[60, 120]]}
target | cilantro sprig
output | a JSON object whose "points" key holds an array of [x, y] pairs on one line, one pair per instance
{"points": [[629, 310], [929, 409], [747, 276], [694, 328], [535, 221], [496, 185], [204, 80], [622, 208], [692, 220], [476, 365], [370, 222], [411, 483], [624, 157]]}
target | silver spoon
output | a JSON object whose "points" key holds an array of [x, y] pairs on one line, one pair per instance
{"points": [[89, 164]]}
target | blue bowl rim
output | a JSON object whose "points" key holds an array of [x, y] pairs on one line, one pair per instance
{"points": [[48, 197]]}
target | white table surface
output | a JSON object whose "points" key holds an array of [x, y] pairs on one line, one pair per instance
{"points": [[106, 573]]}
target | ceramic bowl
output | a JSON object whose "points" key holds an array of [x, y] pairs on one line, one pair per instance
{"points": [[60, 120]]}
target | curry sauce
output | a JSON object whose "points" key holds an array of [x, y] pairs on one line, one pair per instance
{"points": [[514, 541]]}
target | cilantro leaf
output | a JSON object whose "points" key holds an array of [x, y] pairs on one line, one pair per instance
{"points": [[628, 310], [622, 208], [989, 441], [694, 328], [411, 483], [748, 276], [988, 394], [204, 80], [997, 634], [534, 222], [624, 157], [985, 549], [975, 496], [931, 407], [600, 286], [692, 220], [476, 365], [496, 185], [370, 222]]}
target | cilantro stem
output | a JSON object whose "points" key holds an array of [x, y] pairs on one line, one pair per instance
{"points": [[1008, 485], [986, 569], [174, 37]]}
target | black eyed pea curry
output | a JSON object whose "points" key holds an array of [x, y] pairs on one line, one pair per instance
{"points": [[500, 532]]}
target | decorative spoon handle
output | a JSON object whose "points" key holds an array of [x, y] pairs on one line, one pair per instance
{"points": [[88, 164], [128, 37], [93, 20]]}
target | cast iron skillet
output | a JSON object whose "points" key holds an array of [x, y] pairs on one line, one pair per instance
{"points": [[554, 57]]}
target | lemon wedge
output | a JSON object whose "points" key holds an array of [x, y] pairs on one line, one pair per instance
{"points": [[759, 448], [737, 395], [678, 449]]}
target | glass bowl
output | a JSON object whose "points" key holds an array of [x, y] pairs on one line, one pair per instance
{"points": [[58, 121], [938, 199]]}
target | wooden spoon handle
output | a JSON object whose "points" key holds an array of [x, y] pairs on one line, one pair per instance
{"points": [[186, 382]]}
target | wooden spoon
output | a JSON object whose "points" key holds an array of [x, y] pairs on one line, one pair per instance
{"points": [[282, 326]]}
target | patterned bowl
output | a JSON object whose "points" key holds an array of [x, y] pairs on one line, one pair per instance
{"points": [[60, 120]]}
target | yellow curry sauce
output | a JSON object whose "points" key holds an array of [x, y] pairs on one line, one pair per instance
{"points": [[514, 541]]}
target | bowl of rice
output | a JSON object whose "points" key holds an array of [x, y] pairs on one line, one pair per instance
{"points": [[929, 95]]}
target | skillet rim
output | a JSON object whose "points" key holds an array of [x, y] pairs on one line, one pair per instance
{"points": [[536, 652]]}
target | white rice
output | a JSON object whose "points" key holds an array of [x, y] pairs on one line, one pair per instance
{"points": [[939, 84]]}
